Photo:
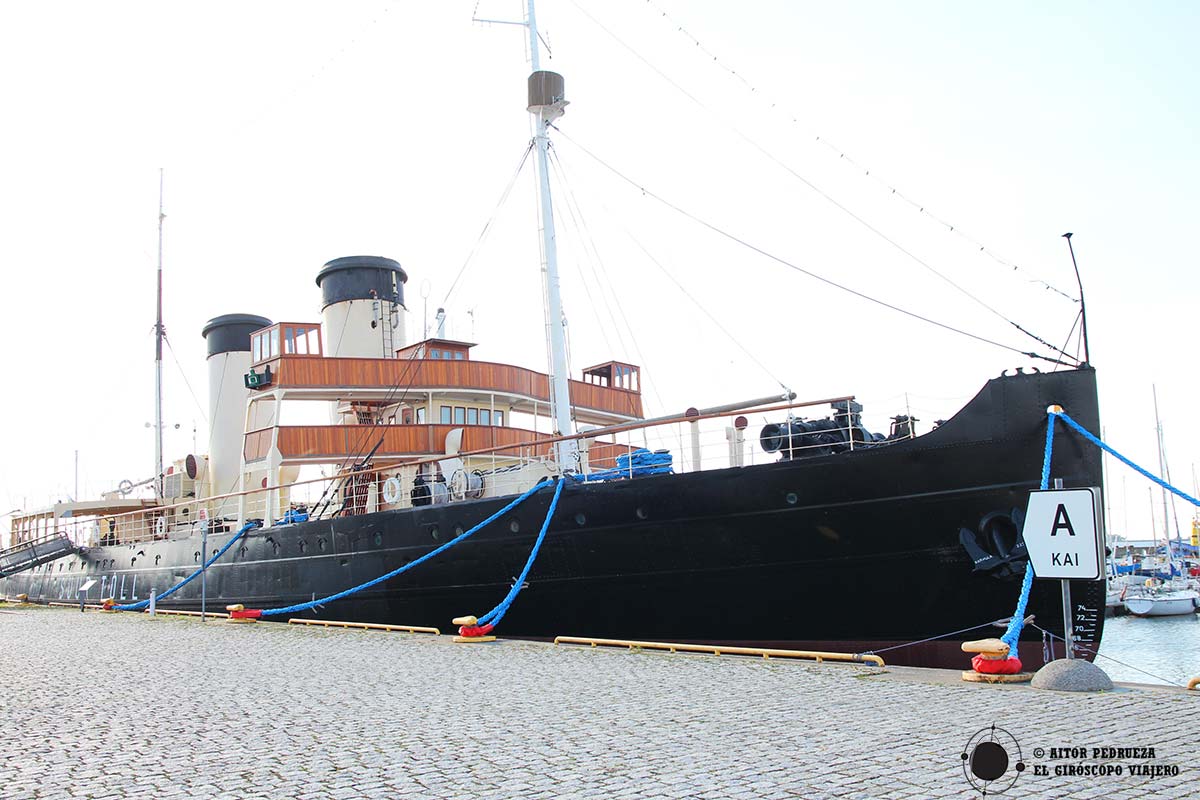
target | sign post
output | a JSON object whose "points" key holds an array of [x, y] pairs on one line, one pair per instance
{"points": [[83, 590], [1064, 536], [203, 570]]}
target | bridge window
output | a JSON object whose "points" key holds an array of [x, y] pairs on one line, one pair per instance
{"points": [[500, 419], [301, 340], [446, 412], [472, 416], [460, 415], [421, 415], [485, 416]]}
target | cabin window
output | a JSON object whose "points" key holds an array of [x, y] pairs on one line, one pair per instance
{"points": [[485, 416], [460, 415], [435, 354], [421, 415], [257, 355], [472, 416], [301, 340], [500, 419], [446, 412], [459, 355]]}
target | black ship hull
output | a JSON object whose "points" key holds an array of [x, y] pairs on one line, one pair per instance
{"points": [[854, 552]]}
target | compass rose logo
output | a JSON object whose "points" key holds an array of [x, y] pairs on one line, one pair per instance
{"points": [[988, 761]]}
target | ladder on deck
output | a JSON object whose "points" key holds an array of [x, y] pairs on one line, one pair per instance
{"points": [[28, 555], [389, 337]]}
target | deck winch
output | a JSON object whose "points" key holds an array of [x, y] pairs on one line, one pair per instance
{"points": [[804, 438]]}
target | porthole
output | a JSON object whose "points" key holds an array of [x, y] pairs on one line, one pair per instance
{"points": [[514, 525], [580, 519], [791, 498], [196, 556], [458, 530], [321, 544], [641, 513], [378, 539], [156, 560], [303, 545], [435, 533], [242, 551]]}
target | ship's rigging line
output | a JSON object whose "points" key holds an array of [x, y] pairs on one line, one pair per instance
{"points": [[842, 156], [1070, 333], [825, 195], [673, 280], [183, 375], [809, 273], [487, 226], [575, 214], [390, 397]]}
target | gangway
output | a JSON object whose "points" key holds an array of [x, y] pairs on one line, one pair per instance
{"points": [[28, 555]]}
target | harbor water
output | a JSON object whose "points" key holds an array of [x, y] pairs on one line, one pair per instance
{"points": [[1166, 647]]}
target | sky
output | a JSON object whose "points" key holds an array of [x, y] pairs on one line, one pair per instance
{"points": [[295, 132]]}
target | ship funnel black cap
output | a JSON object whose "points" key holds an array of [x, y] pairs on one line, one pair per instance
{"points": [[361, 278], [230, 333]]}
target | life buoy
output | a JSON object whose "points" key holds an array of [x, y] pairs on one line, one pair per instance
{"points": [[160, 528], [391, 491]]}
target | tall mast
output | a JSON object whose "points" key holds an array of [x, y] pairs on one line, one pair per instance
{"points": [[159, 333], [1162, 470], [546, 110]]}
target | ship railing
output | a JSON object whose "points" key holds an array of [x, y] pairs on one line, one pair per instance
{"points": [[695, 441]]}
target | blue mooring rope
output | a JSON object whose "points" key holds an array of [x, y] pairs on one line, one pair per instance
{"points": [[496, 614], [1013, 633], [1091, 438], [138, 606], [271, 612]]}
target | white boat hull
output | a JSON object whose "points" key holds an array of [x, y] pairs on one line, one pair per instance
{"points": [[1163, 605]]}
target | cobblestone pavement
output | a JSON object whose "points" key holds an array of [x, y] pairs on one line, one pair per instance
{"points": [[122, 706]]}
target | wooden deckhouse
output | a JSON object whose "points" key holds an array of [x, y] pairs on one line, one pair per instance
{"points": [[412, 401]]}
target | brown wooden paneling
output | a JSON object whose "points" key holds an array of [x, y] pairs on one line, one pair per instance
{"points": [[256, 445], [315, 371], [339, 442]]}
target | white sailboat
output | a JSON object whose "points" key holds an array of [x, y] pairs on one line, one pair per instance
{"points": [[1163, 602], [1156, 598]]}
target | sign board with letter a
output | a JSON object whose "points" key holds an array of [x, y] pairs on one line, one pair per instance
{"points": [[1064, 535]]}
